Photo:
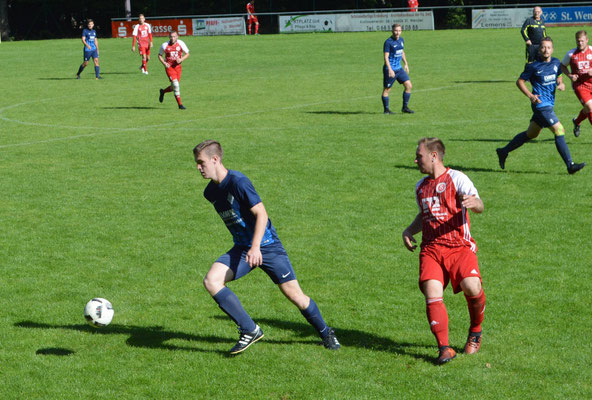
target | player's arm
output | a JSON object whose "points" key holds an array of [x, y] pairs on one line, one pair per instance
{"points": [[185, 56], [84, 43], [405, 61], [534, 98], [150, 37], [388, 64], [472, 202], [97, 44], [410, 231], [254, 256], [560, 84], [524, 32], [134, 44], [162, 60]]}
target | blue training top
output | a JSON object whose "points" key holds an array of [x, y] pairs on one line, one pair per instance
{"points": [[543, 77], [395, 50], [233, 199], [90, 35]]}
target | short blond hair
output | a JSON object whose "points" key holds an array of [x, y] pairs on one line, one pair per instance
{"points": [[433, 144], [210, 147]]}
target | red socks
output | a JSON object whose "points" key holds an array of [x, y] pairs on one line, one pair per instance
{"points": [[438, 319], [145, 65], [168, 89], [178, 98], [476, 306], [581, 116]]}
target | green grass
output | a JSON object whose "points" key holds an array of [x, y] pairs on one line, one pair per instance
{"points": [[100, 197]]}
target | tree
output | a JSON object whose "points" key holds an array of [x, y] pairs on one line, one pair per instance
{"points": [[4, 27]]}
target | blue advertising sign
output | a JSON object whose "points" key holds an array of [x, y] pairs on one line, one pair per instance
{"points": [[567, 15]]}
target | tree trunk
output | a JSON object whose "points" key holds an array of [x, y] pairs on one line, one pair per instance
{"points": [[4, 27]]}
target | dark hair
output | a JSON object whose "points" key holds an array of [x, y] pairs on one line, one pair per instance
{"points": [[395, 25], [547, 39]]}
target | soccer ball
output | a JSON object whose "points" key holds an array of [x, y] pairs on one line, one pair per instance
{"points": [[98, 312]]}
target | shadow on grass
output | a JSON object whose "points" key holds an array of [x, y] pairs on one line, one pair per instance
{"points": [[57, 79], [477, 169], [54, 351], [155, 337], [486, 81], [332, 112], [120, 73], [532, 141]]}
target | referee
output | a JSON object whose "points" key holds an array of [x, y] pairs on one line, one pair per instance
{"points": [[533, 31]]}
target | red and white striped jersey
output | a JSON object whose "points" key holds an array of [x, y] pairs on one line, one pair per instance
{"points": [[580, 62], [172, 52], [444, 220], [144, 34]]}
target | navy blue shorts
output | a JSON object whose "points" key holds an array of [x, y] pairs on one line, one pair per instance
{"points": [[544, 117], [88, 54], [276, 263], [400, 76]]}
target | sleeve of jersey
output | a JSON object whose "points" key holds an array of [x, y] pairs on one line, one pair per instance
{"points": [[463, 184], [416, 196], [386, 48], [567, 58], [246, 192], [135, 33], [527, 73], [524, 30], [162, 49], [184, 47], [558, 66]]}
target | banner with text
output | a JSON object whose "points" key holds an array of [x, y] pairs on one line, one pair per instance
{"points": [[500, 17], [307, 23], [160, 27], [567, 16], [382, 21], [219, 26]]}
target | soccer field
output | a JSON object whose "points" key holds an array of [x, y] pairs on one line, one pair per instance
{"points": [[100, 198]]}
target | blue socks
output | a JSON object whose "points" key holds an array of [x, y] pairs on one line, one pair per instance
{"points": [[385, 103], [406, 97], [231, 305], [80, 69], [518, 141], [313, 316], [563, 149], [97, 72]]}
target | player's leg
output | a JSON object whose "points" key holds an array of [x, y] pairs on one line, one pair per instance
{"points": [[256, 27], [97, 69], [82, 66], [432, 280], [584, 94], [387, 84], [250, 23], [177, 93], [406, 95], [475, 296], [563, 150], [215, 283], [309, 309], [532, 132]]}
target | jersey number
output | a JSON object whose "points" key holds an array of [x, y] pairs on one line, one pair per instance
{"points": [[430, 203]]}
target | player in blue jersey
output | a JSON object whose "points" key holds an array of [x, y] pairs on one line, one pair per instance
{"points": [[91, 49], [392, 71], [544, 75], [256, 244]]}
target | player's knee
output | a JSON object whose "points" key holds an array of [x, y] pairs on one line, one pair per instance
{"points": [[408, 86], [559, 130], [471, 286], [176, 88]]}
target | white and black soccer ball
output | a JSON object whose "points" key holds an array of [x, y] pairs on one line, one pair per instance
{"points": [[98, 312]]}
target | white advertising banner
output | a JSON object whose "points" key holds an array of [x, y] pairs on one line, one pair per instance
{"points": [[500, 17], [307, 23], [219, 26], [382, 21]]}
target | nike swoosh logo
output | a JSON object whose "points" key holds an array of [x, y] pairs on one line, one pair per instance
{"points": [[283, 276]]}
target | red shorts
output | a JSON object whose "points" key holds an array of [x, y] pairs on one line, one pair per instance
{"points": [[584, 92], [174, 73], [144, 50], [447, 264], [253, 20]]}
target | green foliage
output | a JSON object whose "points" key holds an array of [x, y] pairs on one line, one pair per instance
{"points": [[456, 18], [100, 197]]}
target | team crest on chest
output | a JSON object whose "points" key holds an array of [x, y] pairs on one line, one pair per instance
{"points": [[441, 187], [177, 48], [589, 56]]}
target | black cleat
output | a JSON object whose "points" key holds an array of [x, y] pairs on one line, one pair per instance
{"points": [[388, 112], [246, 339], [501, 155], [576, 130], [573, 168], [330, 341], [77, 76], [407, 110], [182, 107], [99, 77], [161, 96]]}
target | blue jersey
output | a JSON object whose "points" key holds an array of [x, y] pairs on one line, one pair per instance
{"points": [[89, 35], [233, 199], [543, 77], [395, 50]]}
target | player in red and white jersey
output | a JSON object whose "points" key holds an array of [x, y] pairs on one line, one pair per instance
{"points": [[579, 59], [448, 251], [143, 34], [251, 17], [171, 55]]}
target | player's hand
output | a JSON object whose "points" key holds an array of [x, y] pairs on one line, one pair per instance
{"points": [[469, 201], [151, 45], [561, 86], [391, 73], [133, 48], [409, 240], [528, 43], [573, 77], [167, 65], [406, 68], [254, 257], [534, 99]]}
